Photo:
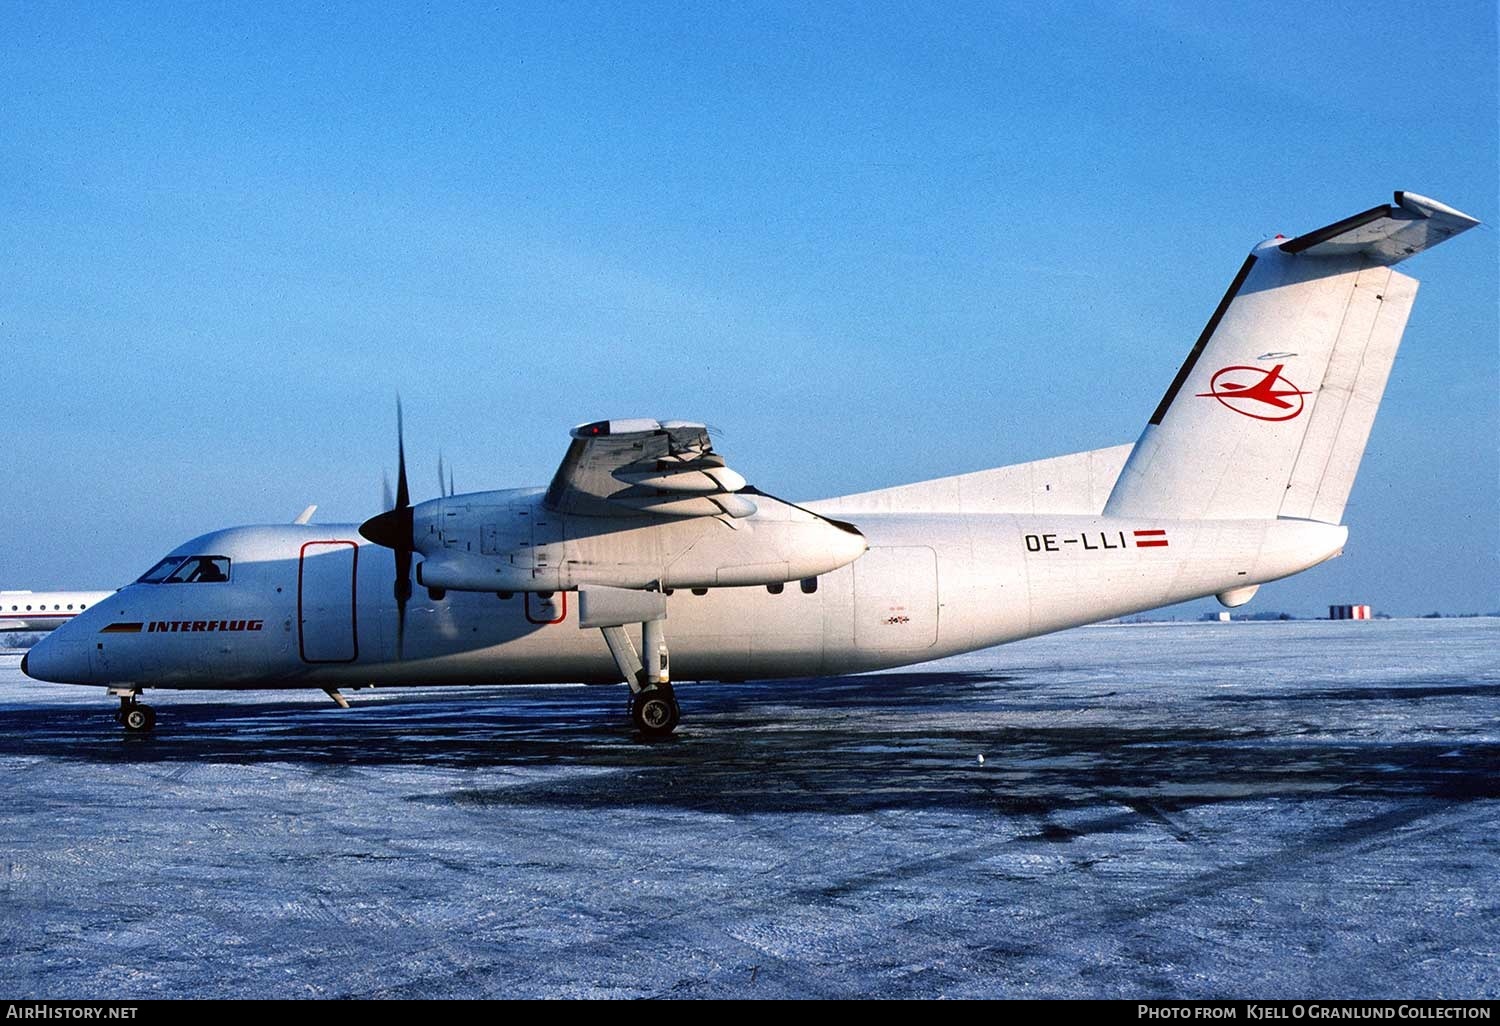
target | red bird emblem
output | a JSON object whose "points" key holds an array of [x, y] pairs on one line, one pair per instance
{"points": [[1272, 397]]}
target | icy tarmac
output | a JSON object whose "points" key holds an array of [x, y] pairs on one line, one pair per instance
{"points": [[1241, 810]]}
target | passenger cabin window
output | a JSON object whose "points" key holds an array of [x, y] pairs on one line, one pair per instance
{"points": [[188, 570]]}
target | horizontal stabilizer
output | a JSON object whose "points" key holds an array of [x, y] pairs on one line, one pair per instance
{"points": [[1078, 483], [1386, 234]]}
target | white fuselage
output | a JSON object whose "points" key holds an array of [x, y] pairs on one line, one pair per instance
{"points": [[1240, 477], [44, 610], [313, 606]]}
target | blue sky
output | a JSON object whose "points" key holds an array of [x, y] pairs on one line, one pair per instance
{"points": [[867, 243]]}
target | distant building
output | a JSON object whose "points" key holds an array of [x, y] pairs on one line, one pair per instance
{"points": [[1224, 616], [1348, 612]]}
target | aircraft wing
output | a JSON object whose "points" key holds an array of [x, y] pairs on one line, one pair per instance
{"points": [[1386, 234], [620, 468]]}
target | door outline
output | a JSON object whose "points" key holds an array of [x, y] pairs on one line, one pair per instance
{"points": [[353, 601], [873, 593]]}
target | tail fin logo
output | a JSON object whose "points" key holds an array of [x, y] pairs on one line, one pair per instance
{"points": [[1272, 397]]}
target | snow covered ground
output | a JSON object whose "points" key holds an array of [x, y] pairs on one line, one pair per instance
{"points": [[1301, 809]]}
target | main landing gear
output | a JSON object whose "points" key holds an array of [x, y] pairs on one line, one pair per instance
{"points": [[655, 711], [653, 705], [133, 716]]}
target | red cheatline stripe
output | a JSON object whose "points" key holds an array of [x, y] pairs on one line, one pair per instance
{"points": [[1151, 544], [1143, 534]]}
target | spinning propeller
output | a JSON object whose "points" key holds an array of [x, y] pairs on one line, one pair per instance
{"points": [[393, 529]]}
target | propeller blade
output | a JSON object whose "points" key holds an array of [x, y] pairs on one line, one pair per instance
{"points": [[403, 595], [403, 494], [393, 530], [441, 481], [388, 502]]}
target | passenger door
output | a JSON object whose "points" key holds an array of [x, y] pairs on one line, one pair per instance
{"points": [[325, 602]]}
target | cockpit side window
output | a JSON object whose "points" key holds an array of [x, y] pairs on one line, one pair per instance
{"points": [[188, 570], [201, 570]]}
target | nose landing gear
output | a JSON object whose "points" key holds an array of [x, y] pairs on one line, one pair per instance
{"points": [[133, 716]]}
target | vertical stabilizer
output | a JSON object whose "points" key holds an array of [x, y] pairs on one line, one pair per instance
{"points": [[1270, 413]]}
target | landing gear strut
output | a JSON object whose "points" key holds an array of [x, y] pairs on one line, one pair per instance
{"points": [[133, 716], [653, 706]]}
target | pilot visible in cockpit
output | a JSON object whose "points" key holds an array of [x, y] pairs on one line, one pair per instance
{"points": [[207, 572]]}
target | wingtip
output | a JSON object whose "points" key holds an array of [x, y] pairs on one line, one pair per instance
{"points": [[1427, 207]]}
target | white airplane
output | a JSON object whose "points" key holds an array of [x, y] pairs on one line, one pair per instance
{"points": [[44, 610], [1239, 478]]}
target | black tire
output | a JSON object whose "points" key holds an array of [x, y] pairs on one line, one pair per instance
{"points": [[138, 718], [655, 712]]}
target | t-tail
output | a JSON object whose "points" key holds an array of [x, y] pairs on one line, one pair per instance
{"points": [[1269, 415]]}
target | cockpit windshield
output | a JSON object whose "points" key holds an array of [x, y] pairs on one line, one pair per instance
{"points": [[158, 572], [187, 570]]}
